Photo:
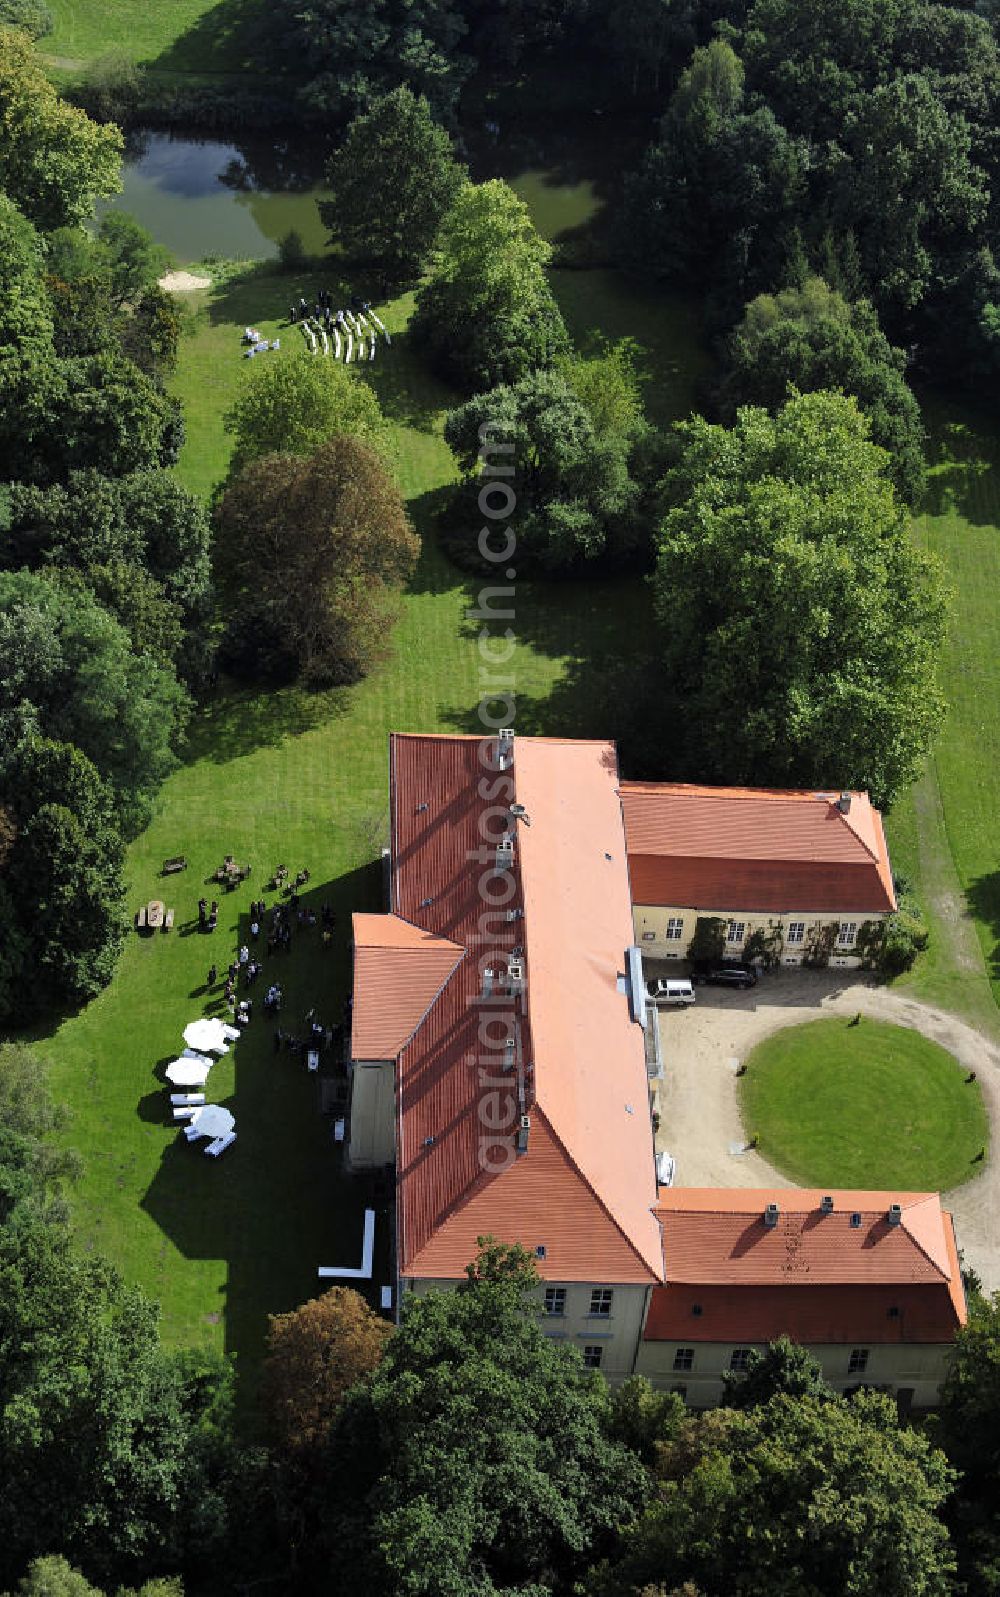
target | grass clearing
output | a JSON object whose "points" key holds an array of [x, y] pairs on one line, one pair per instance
{"points": [[842, 1104], [944, 833], [188, 37]]}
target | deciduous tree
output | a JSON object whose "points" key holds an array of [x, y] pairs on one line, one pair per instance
{"points": [[391, 182], [292, 407], [55, 161], [800, 626], [487, 314], [315, 1355], [311, 553]]}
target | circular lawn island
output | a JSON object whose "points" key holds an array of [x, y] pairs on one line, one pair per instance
{"points": [[860, 1103]]}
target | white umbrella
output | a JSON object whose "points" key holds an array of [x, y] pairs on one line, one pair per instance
{"points": [[208, 1035], [212, 1121], [189, 1072]]}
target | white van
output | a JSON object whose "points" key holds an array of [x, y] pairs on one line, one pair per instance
{"points": [[670, 990]]}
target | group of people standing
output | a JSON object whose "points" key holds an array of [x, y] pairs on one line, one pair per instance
{"points": [[208, 918], [323, 312]]}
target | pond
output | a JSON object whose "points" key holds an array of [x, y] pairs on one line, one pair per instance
{"points": [[204, 197]]}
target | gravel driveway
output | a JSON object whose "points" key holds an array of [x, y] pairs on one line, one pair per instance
{"points": [[699, 1115]]}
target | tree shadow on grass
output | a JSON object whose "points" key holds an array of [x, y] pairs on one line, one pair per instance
{"points": [[240, 719], [962, 454], [278, 1203], [984, 900], [233, 36]]}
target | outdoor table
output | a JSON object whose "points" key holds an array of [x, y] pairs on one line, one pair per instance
{"points": [[154, 912]]}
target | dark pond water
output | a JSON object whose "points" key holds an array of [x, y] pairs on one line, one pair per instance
{"points": [[203, 197]]}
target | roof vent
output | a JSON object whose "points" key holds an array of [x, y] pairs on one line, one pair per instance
{"points": [[422, 807], [696, 1309], [514, 914], [771, 1216], [844, 804], [505, 854], [895, 1214], [425, 903], [519, 813], [855, 1221], [428, 1142], [826, 1205]]}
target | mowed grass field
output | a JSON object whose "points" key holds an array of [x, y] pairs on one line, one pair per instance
{"points": [[865, 1105], [194, 37], [945, 834], [286, 777]]}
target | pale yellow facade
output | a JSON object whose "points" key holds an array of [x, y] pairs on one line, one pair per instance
{"points": [[913, 1373], [616, 1335], [664, 932]]}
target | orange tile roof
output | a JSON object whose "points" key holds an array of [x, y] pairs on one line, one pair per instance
{"points": [[399, 970], [856, 1315], [772, 850], [716, 1240], [585, 1188]]}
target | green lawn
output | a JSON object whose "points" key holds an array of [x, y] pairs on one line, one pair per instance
{"points": [[945, 833], [183, 36], [285, 777], [868, 1105]]}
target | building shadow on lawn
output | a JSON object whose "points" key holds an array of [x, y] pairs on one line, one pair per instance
{"points": [[278, 1203]]}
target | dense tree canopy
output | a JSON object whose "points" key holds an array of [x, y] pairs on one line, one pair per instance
{"points": [[796, 1497], [70, 674], [477, 1458], [354, 50], [800, 626], [575, 497], [487, 314], [55, 161], [858, 140], [311, 553], [811, 338], [391, 182]]}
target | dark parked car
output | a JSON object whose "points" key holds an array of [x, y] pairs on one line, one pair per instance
{"points": [[725, 975]]}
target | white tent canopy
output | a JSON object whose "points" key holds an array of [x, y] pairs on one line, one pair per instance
{"points": [[188, 1072], [212, 1121], [209, 1035]]}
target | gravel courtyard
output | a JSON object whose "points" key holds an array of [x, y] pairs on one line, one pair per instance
{"points": [[699, 1114]]}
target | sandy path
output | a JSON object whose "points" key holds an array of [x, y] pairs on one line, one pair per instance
{"points": [[700, 1121], [184, 282]]}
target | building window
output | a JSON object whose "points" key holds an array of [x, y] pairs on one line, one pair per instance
{"points": [[592, 1356], [555, 1300], [681, 1391], [857, 1364], [684, 1358], [675, 928], [740, 1360], [796, 931], [735, 931], [649, 937], [847, 934], [600, 1301]]}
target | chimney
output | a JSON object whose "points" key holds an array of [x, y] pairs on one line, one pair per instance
{"points": [[826, 1205], [844, 804], [487, 981], [515, 976], [771, 1216], [895, 1214], [508, 1054], [505, 747], [522, 1135]]}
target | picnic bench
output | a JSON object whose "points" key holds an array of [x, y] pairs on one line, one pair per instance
{"points": [[140, 919], [168, 920], [178, 863]]}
